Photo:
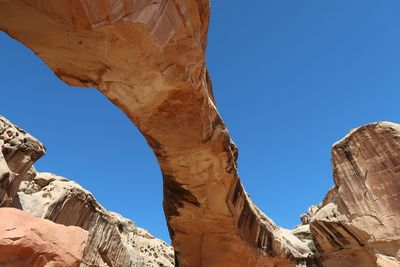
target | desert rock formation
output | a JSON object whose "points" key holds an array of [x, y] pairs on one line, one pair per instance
{"points": [[148, 58], [113, 240], [19, 150], [82, 233], [28, 241], [358, 223]]}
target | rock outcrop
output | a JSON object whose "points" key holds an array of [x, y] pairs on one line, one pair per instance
{"points": [[113, 240], [19, 150], [358, 223], [28, 241], [91, 236], [148, 58]]}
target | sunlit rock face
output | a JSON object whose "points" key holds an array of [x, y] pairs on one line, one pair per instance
{"points": [[113, 240], [29, 241], [19, 150], [148, 58], [358, 223], [82, 233]]}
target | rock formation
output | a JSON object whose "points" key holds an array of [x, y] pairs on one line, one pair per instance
{"points": [[91, 236], [113, 240], [148, 58], [29, 241], [358, 223], [19, 150]]}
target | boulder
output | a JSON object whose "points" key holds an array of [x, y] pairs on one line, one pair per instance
{"points": [[29, 241]]}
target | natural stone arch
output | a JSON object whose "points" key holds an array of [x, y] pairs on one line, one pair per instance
{"points": [[148, 58]]}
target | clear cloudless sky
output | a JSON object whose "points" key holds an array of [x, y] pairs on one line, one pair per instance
{"points": [[290, 78]]}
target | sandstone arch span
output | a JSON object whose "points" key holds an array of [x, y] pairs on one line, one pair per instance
{"points": [[148, 58]]}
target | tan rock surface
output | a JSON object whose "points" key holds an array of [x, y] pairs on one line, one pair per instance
{"points": [[29, 241], [359, 221], [113, 240], [19, 150], [148, 57]]}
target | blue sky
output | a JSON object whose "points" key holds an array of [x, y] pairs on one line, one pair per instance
{"points": [[290, 78]]}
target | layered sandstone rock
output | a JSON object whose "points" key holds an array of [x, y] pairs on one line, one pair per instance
{"points": [[19, 150], [113, 240], [148, 57], [28, 241], [358, 223]]}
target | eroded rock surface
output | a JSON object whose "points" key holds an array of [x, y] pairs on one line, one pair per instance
{"points": [[19, 150], [29, 241], [113, 240], [148, 58], [358, 223], [91, 236]]}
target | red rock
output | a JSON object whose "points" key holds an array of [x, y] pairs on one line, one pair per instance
{"points": [[27, 241]]}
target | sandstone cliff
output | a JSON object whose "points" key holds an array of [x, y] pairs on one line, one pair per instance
{"points": [[113, 240], [358, 223], [92, 236]]}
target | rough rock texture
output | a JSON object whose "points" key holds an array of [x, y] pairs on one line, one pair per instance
{"points": [[358, 223], [148, 57], [19, 150], [28, 241], [113, 240]]}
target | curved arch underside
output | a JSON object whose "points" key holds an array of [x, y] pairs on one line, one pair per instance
{"points": [[148, 58]]}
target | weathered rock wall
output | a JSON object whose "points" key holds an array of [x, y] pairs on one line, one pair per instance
{"points": [[19, 150], [94, 236], [113, 240], [358, 223]]}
